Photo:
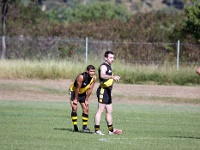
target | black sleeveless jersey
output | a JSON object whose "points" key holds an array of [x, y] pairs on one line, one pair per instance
{"points": [[87, 80], [106, 82]]}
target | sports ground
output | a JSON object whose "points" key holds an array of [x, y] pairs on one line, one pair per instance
{"points": [[35, 114]]}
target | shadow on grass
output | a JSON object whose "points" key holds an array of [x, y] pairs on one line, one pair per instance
{"points": [[62, 129], [71, 130], [186, 137]]}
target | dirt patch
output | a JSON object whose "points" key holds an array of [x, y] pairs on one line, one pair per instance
{"points": [[57, 90]]}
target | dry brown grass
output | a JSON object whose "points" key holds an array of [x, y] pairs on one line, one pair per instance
{"points": [[57, 90]]}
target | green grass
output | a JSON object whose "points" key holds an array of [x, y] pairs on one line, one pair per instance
{"points": [[130, 73], [47, 125]]}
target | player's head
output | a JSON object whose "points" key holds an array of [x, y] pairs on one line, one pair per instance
{"points": [[90, 70], [109, 57]]}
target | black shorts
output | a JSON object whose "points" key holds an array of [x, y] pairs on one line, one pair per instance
{"points": [[104, 95], [81, 97]]}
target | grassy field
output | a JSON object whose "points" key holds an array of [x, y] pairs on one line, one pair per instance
{"points": [[47, 125], [35, 113]]}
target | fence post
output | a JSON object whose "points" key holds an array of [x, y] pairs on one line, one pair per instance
{"points": [[86, 50], [178, 54]]}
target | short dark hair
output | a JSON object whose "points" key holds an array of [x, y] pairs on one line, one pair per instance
{"points": [[89, 67], [108, 52]]}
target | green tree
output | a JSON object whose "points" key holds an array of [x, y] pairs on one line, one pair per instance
{"points": [[93, 12], [191, 24]]}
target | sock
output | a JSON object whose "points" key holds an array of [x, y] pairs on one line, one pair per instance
{"points": [[84, 120], [96, 127], [74, 120], [110, 128]]}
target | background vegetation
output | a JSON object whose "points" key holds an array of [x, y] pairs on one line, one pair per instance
{"points": [[105, 21], [110, 21], [132, 74]]}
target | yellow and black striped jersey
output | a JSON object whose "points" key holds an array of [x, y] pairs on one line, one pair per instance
{"points": [[87, 81]]}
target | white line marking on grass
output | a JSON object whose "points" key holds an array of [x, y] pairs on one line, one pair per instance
{"points": [[103, 139], [141, 138]]}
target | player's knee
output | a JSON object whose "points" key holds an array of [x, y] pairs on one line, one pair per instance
{"points": [[74, 109], [86, 110], [100, 111]]}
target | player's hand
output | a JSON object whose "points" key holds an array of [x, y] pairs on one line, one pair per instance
{"points": [[116, 78], [86, 103], [75, 102]]}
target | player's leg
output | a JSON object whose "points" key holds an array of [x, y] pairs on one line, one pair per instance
{"points": [[101, 107], [74, 116], [97, 118], [109, 110], [109, 117], [85, 117]]}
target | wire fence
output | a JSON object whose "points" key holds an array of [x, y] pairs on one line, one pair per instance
{"points": [[86, 49]]}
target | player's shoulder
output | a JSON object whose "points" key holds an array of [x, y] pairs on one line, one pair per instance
{"points": [[104, 65], [80, 77]]}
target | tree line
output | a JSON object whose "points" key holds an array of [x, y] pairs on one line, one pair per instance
{"points": [[102, 21]]}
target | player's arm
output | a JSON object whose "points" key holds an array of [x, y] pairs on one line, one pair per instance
{"points": [[79, 80], [103, 74], [89, 91], [198, 71]]}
